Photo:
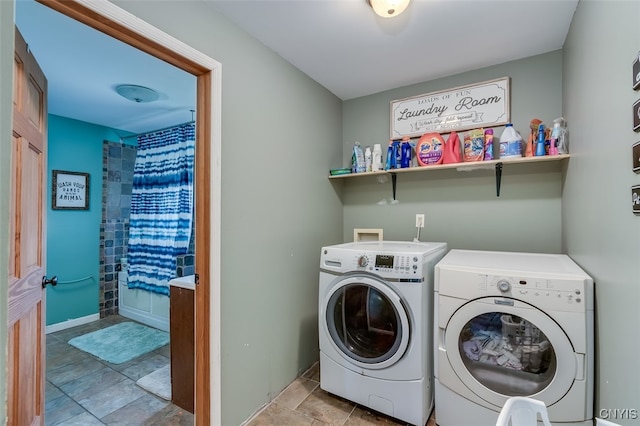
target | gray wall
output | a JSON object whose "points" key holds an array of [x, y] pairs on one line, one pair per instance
{"points": [[281, 131], [6, 105], [600, 232], [277, 215], [461, 208]]}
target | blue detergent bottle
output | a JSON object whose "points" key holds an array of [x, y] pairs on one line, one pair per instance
{"points": [[540, 149], [391, 156], [405, 156]]}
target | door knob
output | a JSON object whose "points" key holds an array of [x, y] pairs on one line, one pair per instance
{"points": [[53, 281]]}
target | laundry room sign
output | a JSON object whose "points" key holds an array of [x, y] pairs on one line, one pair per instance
{"points": [[474, 106]]}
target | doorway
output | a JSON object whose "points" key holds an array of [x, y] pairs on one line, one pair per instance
{"points": [[116, 23]]}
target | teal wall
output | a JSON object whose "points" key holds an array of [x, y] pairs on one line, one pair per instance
{"points": [[73, 236]]}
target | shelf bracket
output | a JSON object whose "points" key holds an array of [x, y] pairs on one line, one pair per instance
{"points": [[393, 184], [498, 178]]}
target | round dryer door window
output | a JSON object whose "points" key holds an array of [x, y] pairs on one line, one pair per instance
{"points": [[510, 350], [367, 322]]}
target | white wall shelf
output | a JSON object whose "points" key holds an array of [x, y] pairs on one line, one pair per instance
{"points": [[492, 164]]}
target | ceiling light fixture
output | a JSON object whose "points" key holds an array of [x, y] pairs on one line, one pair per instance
{"points": [[388, 8], [138, 94]]}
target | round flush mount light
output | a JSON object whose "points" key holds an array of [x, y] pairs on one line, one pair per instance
{"points": [[138, 94], [388, 8]]}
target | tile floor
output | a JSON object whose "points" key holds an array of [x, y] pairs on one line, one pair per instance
{"points": [[304, 403], [84, 391]]}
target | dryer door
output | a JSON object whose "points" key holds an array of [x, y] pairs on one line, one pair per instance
{"points": [[367, 322], [501, 347]]}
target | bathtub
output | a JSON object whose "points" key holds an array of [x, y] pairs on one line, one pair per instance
{"points": [[143, 306]]}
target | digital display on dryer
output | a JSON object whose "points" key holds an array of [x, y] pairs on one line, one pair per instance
{"points": [[384, 261]]}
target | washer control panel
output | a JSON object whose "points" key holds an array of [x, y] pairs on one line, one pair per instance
{"points": [[388, 263], [404, 261]]}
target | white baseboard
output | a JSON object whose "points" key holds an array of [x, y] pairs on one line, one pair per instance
{"points": [[145, 318], [71, 323]]}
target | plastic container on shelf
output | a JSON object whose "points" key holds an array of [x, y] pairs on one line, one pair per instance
{"points": [[540, 149], [405, 155], [488, 145], [368, 159], [430, 149], [376, 161], [357, 159], [510, 142]]}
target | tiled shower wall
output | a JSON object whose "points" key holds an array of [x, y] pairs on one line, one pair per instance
{"points": [[117, 182]]}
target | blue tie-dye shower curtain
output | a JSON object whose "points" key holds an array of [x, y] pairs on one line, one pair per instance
{"points": [[161, 207]]}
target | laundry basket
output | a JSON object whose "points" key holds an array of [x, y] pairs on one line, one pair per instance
{"points": [[523, 411], [528, 342]]}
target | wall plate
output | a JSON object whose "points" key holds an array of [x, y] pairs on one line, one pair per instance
{"points": [[365, 234], [635, 198], [635, 153]]}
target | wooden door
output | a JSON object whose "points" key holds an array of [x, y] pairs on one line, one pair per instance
{"points": [[26, 337]]}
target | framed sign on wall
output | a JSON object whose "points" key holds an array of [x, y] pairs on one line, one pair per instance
{"points": [[70, 191], [474, 106]]}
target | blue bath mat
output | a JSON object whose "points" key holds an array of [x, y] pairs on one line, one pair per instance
{"points": [[121, 342]]}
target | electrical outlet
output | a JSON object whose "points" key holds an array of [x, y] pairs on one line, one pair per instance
{"points": [[420, 221]]}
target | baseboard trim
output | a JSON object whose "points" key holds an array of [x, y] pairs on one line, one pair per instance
{"points": [[71, 323]]}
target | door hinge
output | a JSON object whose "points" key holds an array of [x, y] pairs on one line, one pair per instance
{"points": [[197, 279]]}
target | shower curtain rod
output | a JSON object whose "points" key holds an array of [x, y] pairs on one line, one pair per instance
{"points": [[157, 130]]}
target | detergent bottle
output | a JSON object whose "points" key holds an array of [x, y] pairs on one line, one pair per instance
{"points": [[405, 155], [540, 150], [357, 159], [488, 144], [376, 162], [368, 159]]}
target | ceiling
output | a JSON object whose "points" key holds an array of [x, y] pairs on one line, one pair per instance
{"points": [[341, 44], [83, 66]]}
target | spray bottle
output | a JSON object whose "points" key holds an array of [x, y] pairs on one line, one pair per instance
{"points": [[555, 133]]}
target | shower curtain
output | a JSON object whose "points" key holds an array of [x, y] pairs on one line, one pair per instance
{"points": [[161, 207]]}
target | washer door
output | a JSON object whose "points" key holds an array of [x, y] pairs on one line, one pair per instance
{"points": [[501, 347], [367, 322]]}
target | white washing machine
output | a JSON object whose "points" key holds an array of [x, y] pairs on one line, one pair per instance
{"points": [[375, 325], [512, 324]]}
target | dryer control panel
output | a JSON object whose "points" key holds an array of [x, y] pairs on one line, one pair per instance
{"points": [[561, 294]]}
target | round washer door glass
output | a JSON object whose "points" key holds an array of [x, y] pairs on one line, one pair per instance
{"points": [[508, 354], [367, 322], [510, 350]]}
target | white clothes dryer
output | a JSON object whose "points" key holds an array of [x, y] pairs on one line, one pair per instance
{"points": [[512, 324], [375, 325]]}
